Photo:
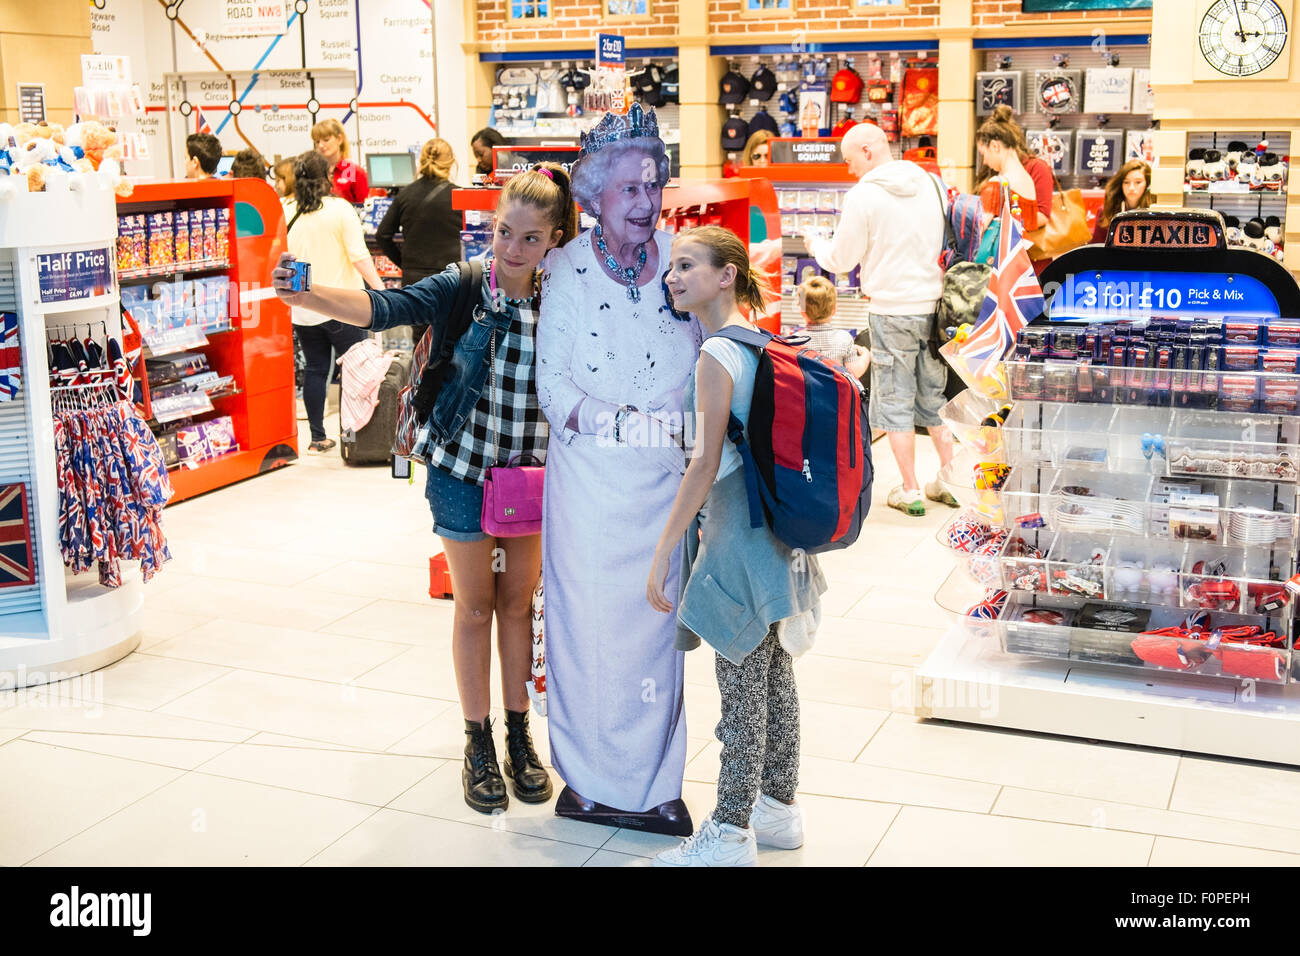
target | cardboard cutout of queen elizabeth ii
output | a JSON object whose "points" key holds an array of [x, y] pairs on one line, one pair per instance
{"points": [[613, 361]]}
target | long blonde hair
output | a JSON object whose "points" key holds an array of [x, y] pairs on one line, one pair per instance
{"points": [[332, 127], [753, 288], [437, 159]]}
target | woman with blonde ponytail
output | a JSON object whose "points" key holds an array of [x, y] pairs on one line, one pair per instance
{"points": [[422, 211], [752, 598]]}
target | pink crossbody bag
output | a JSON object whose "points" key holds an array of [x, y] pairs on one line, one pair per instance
{"points": [[512, 494]]}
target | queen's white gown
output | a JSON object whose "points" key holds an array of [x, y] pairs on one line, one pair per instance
{"points": [[614, 680]]}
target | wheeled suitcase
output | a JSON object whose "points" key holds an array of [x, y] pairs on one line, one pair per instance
{"points": [[373, 444]]}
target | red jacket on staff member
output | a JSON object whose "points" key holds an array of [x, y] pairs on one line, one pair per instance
{"points": [[350, 181]]}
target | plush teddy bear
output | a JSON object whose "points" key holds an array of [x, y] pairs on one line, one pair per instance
{"points": [[32, 157], [1253, 235], [1216, 170], [1232, 155], [1196, 169], [1232, 230], [96, 138], [1270, 173]]}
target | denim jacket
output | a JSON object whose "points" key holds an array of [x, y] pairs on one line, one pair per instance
{"points": [[429, 301]]}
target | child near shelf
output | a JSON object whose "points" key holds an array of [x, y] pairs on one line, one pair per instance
{"points": [[816, 300], [756, 641]]}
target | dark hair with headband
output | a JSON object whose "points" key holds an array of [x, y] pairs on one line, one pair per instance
{"points": [[546, 186]]}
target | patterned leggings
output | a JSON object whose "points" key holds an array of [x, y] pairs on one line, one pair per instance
{"points": [[759, 730]]}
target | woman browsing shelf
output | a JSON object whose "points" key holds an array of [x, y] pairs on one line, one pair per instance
{"points": [[1005, 158], [325, 231]]}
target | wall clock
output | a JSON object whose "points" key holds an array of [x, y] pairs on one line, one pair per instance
{"points": [[1243, 39]]}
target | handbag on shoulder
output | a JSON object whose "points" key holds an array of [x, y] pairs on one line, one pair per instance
{"points": [[512, 494], [1066, 228]]}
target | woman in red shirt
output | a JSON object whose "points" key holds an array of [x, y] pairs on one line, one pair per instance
{"points": [[1005, 157], [349, 179]]}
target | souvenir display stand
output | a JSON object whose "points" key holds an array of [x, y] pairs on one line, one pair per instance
{"points": [[247, 339], [59, 625], [1150, 505], [690, 203]]}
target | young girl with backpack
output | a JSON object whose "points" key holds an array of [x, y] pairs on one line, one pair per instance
{"points": [[755, 600], [485, 414]]}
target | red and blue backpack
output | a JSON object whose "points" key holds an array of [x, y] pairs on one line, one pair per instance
{"points": [[807, 448]]}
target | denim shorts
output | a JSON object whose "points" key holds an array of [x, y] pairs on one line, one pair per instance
{"points": [[907, 382], [457, 506]]}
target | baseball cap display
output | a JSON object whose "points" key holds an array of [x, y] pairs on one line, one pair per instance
{"points": [[843, 126], [762, 84], [789, 103], [575, 80], [649, 85], [732, 89], [762, 120], [735, 132], [846, 87], [670, 87]]}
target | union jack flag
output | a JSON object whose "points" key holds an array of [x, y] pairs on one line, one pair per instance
{"points": [[15, 538], [1013, 299], [11, 359]]}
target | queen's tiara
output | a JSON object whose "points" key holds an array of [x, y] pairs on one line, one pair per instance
{"points": [[636, 124]]}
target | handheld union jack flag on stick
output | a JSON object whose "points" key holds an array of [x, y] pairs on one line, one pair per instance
{"points": [[1013, 299]]}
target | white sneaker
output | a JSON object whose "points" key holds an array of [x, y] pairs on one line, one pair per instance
{"points": [[713, 844], [776, 824]]}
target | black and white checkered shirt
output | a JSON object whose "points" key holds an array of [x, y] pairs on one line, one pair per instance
{"points": [[517, 427]]}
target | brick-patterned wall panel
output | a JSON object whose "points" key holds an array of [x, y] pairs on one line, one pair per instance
{"points": [[726, 17], [988, 13], [574, 20]]}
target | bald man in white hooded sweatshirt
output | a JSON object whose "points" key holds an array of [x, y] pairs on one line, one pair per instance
{"points": [[892, 229]]}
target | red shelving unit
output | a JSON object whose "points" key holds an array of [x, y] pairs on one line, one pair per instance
{"points": [[257, 350]]}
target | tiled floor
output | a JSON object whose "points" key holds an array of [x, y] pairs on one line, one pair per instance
{"points": [[292, 702]]}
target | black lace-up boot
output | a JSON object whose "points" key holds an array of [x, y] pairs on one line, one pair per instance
{"points": [[485, 791], [527, 775]]}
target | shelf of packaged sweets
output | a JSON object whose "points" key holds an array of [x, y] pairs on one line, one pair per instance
{"points": [[177, 271], [188, 313], [1235, 390]]}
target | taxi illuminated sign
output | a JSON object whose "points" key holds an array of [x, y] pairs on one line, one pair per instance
{"points": [[1189, 230]]}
